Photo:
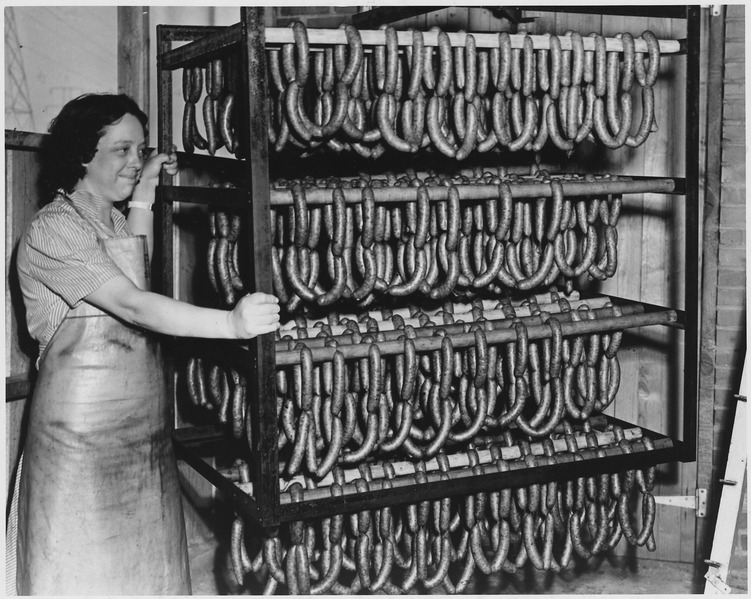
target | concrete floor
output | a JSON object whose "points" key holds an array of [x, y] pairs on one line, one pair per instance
{"points": [[211, 573]]}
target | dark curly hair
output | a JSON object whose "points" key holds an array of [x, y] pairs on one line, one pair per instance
{"points": [[74, 135]]}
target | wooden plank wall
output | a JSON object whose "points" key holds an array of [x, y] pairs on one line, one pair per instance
{"points": [[456, 18], [651, 238], [650, 268], [22, 165]]}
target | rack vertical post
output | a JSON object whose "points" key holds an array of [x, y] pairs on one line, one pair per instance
{"points": [[261, 375]]}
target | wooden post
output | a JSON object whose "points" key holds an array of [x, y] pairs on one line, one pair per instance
{"points": [[710, 265], [133, 53]]}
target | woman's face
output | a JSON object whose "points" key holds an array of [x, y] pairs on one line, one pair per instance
{"points": [[113, 172]]}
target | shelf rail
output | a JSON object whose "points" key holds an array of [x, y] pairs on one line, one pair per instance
{"points": [[318, 502], [221, 41], [438, 193], [507, 334]]}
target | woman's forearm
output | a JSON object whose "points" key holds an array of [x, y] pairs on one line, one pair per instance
{"points": [[140, 218], [254, 314], [172, 317], [141, 222]]}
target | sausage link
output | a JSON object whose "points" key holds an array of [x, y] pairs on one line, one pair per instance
{"points": [[628, 66], [647, 76], [460, 72], [340, 221], [470, 138], [529, 542], [188, 127], [368, 217], [600, 123], [302, 48], [499, 111], [216, 73], [454, 219], [577, 59], [542, 272], [226, 134], [566, 64], [187, 85], [272, 60], [588, 64], [392, 59], [571, 124], [504, 70], [336, 119], [238, 407], [600, 75], [355, 55], [446, 64], [506, 212], [542, 125], [553, 132], [556, 188], [625, 519], [530, 120], [470, 67], [292, 110], [300, 211], [222, 270], [434, 129], [612, 75], [647, 118], [556, 59], [423, 217], [587, 123], [385, 114], [483, 73], [428, 74], [543, 74], [528, 74]]}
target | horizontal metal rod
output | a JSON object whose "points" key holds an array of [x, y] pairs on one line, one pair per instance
{"points": [[283, 197], [377, 37], [505, 335], [457, 462], [432, 477], [342, 336], [459, 465], [543, 300], [219, 41], [596, 422]]}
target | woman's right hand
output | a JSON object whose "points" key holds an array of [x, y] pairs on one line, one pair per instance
{"points": [[255, 314]]}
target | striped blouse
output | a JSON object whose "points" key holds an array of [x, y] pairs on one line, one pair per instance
{"points": [[60, 261]]}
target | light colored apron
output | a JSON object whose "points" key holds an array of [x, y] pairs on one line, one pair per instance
{"points": [[99, 510]]}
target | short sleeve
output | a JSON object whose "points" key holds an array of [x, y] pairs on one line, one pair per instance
{"points": [[66, 256]]}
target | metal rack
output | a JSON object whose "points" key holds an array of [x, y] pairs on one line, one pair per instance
{"points": [[263, 500]]}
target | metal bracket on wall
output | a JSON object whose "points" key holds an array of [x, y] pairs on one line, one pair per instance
{"points": [[697, 502], [718, 587]]}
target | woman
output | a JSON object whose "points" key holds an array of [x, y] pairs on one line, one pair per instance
{"points": [[99, 508]]}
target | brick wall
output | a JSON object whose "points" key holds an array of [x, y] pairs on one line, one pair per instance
{"points": [[731, 275]]}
